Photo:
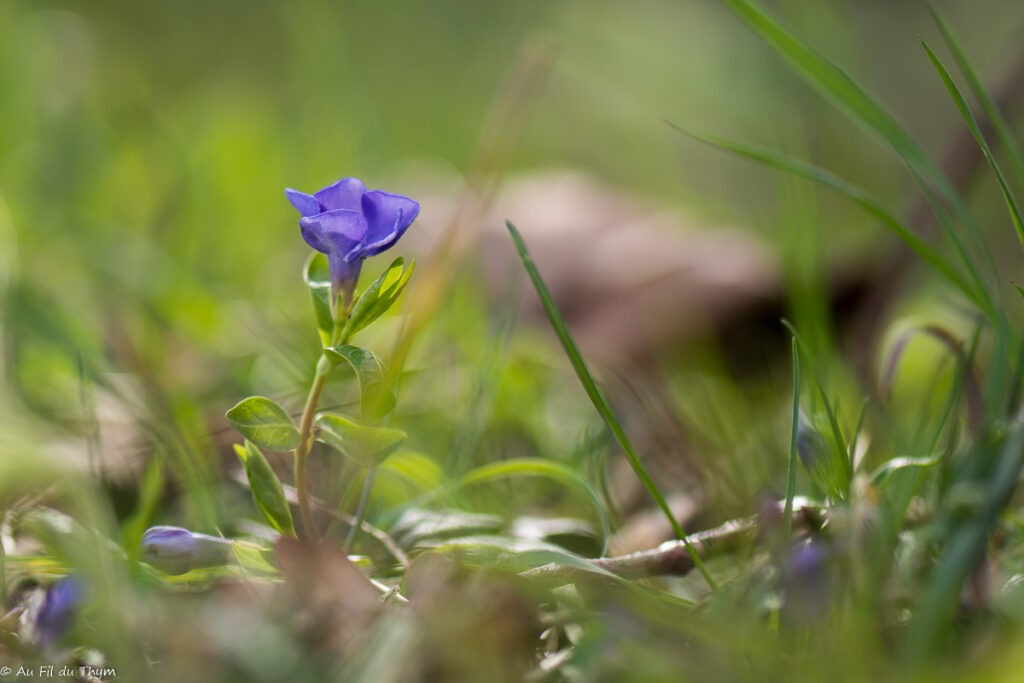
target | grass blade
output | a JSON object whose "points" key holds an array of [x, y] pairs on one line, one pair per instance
{"points": [[965, 548], [839, 442], [835, 85], [999, 124], [972, 124], [602, 407], [922, 249], [791, 473]]}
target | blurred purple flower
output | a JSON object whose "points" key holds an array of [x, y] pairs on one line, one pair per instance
{"points": [[349, 223], [805, 582], [175, 550], [57, 611], [810, 444]]}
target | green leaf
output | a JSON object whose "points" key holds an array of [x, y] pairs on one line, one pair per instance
{"points": [[417, 527], [253, 558], [892, 465], [535, 559], [406, 475], [151, 489], [266, 488], [517, 554], [317, 275], [378, 297], [367, 446], [602, 407], [376, 397], [265, 423], [535, 467]]}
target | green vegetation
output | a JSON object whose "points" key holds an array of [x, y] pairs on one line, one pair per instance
{"points": [[222, 461]]}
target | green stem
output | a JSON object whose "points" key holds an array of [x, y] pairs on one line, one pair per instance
{"points": [[324, 369]]}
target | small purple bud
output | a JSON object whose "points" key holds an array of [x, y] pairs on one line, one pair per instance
{"points": [[810, 444], [174, 550], [349, 223], [804, 576], [57, 611]]}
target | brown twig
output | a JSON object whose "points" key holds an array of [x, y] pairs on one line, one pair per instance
{"points": [[671, 558]]}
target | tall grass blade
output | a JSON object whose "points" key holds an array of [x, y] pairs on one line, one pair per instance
{"points": [[840, 448], [999, 124], [602, 407], [837, 86], [974, 291], [972, 124], [834, 84]]}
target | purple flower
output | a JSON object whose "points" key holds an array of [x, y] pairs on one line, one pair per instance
{"points": [[810, 444], [57, 611], [175, 550], [805, 582], [349, 224]]}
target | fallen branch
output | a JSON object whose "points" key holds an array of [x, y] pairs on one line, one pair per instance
{"points": [[671, 558]]}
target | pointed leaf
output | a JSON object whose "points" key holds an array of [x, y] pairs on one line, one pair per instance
{"points": [[892, 465], [266, 488], [367, 446], [378, 297], [376, 397], [253, 558], [265, 423]]}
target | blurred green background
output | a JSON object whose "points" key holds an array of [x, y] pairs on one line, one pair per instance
{"points": [[146, 250]]}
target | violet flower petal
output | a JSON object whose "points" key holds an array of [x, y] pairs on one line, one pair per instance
{"points": [[57, 612], [348, 224], [307, 204], [388, 216], [346, 193], [810, 444], [335, 231], [805, 582]]}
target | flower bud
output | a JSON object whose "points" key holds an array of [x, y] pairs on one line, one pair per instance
{"points": [[810, 444], [805, 582], [174, 550]]}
